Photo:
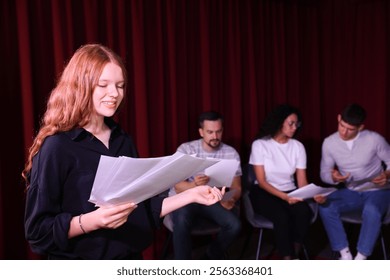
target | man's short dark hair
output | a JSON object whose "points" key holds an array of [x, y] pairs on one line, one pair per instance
{"points": [[353, 114], [209, 116]]}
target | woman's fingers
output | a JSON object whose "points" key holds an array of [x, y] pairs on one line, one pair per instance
{"points": [[115, 216]]}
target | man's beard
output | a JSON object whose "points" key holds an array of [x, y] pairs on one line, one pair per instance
{"points": [[214, 143]]}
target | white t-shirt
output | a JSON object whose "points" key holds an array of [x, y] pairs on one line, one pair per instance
{"points": [[280, 161]]}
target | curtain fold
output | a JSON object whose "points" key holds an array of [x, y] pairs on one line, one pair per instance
{"points": [[240, 57]]}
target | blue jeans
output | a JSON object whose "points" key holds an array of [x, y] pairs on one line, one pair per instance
{"points": [[183, 219], [372, 205]]}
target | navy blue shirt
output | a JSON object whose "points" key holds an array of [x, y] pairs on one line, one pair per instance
{"points": [[61, 180]]}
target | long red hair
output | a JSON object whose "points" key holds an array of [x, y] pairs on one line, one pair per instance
{"points": [[70, 102]]}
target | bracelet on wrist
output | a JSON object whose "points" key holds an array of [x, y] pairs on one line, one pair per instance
{"points": [[81, 225]]}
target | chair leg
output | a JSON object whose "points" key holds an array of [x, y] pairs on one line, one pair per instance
{"points": [[259, 243], [383, 246], [305, 253]]}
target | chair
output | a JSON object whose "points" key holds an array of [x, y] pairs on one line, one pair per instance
{"points": [[202, 227], [258, 221], [355, 218]]}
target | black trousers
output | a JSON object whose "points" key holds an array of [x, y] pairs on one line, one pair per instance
{"points": [[291, 222]]}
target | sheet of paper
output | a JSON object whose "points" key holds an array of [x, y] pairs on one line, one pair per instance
{"points": [[311, 190], [221, 174], [363, 184], [115, 172], [125, 179]]}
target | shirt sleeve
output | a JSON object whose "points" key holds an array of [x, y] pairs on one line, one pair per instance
{"points": [[302, 159], [327, 163], [184, 148], [46, 226], [237, 157], [257, 153], [383, 151], [155, 206]]}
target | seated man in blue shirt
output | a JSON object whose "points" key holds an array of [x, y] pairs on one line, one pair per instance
{"points": [[209, 145], [355, 156]]}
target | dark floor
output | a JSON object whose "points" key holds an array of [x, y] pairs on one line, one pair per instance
{"points": [[317, 245]]}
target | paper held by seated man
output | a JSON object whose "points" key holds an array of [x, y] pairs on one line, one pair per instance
{"points": [[221, 175]]}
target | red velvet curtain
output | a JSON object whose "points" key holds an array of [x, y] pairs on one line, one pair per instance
{"points": [[240, 57]]}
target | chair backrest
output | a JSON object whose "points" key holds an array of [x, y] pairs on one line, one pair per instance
{"points": [[255, 220], [248, 178]]}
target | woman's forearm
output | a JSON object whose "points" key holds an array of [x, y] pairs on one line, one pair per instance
{"points": [[174, 202]]}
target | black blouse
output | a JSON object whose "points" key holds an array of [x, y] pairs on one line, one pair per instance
{"points": [[61, 180]]}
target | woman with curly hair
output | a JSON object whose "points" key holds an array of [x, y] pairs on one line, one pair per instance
{"points": [[278, 159]]}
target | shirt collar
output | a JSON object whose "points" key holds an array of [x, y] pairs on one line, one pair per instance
{"points": [[79, 132]]}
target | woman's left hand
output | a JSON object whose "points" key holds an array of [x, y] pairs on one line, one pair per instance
{"points": [[207, 195], [293, 200]]}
